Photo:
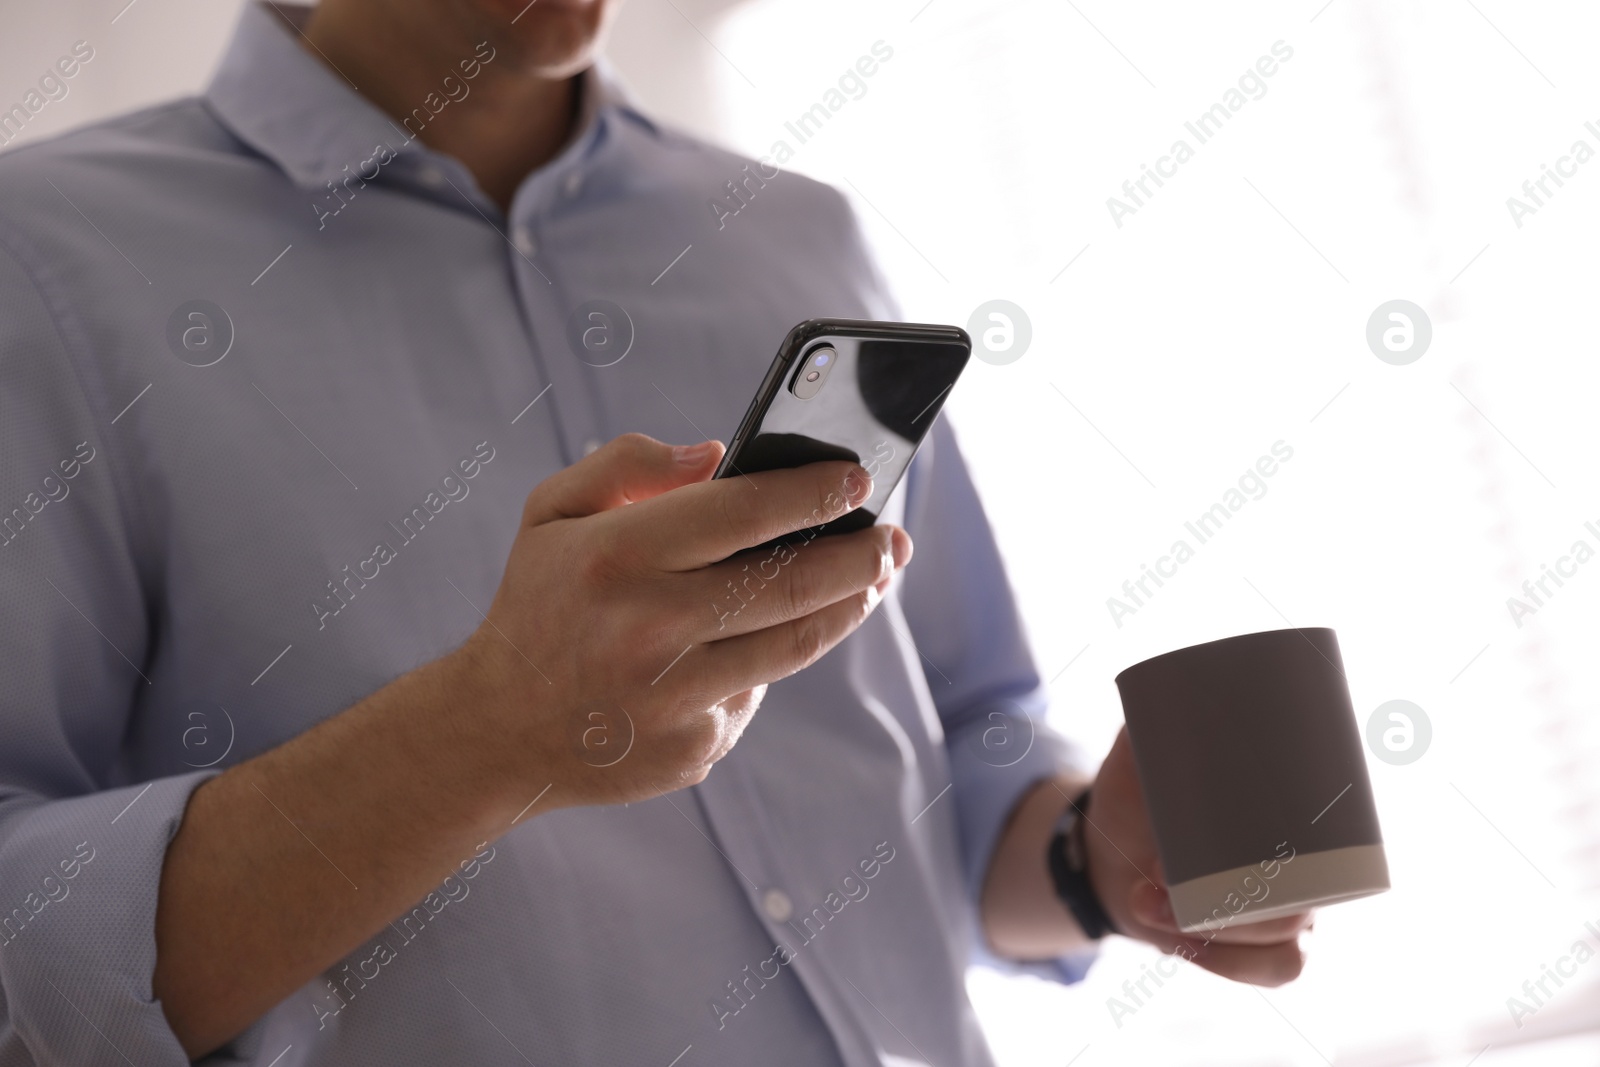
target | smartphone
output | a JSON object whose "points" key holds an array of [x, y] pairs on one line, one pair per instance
{"points": [[866, 392]]}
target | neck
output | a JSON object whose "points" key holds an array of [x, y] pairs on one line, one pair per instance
{"points": [[509, 121]]}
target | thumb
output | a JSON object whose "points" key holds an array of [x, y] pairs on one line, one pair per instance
{"points": [[625, 469]]}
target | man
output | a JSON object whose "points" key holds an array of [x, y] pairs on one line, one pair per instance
{"points": [[326, 742]]}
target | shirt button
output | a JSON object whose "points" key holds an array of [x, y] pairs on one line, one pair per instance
{"points": [[574, 183], [523, 240], [432, 177], [590, 445], [777, 905]]}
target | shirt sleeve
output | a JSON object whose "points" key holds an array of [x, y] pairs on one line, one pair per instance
{"points": [[979, 667], [82, 840]]}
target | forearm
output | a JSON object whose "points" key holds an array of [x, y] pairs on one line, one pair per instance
{"points": [[1022, 917], [285, 863]]}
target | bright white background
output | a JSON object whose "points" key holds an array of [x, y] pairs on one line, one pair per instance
{"points": [[1227, 314]]}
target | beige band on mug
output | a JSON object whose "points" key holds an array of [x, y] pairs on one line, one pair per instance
{"points": [[1311, 879]]}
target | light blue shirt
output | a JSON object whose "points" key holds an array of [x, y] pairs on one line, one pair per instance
{"points": [[274, 384]]}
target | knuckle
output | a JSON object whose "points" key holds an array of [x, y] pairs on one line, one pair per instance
{"points": [[700, 752], [801, 590], [808, 640], [591, 567], [734, 510], [633, 443], [629, 557], [599, 563], [695, 744]]}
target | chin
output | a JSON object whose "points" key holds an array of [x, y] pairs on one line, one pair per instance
{"points": [[551, 38]]}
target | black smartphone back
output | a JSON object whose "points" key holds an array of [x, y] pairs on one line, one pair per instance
{"points": [[867, 392]]}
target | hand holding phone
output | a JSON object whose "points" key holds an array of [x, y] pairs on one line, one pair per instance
{"points": [[866, 392]]}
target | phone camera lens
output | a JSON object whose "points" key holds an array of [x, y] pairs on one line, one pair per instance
{"points": [[812, 373]]}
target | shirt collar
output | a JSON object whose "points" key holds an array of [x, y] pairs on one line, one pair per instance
{"points": [[313, 123]]}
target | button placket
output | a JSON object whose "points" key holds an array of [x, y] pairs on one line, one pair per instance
{"points": [[545, 309]]}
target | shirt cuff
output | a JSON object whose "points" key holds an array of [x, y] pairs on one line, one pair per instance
{"points": [[995, 758], [78, 882]]}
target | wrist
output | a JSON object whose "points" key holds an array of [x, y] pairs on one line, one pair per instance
{"points": [[462, 725], [1023, 917]]}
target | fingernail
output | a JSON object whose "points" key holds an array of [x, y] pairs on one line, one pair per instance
{"points": [[857, 487], [1152, 906], [900, 545], [692, 455]]}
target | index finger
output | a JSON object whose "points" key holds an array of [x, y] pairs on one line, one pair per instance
{"points": [[700, 524]]}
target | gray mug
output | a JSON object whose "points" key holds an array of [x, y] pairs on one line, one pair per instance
{"points": [[1254, 774]]}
